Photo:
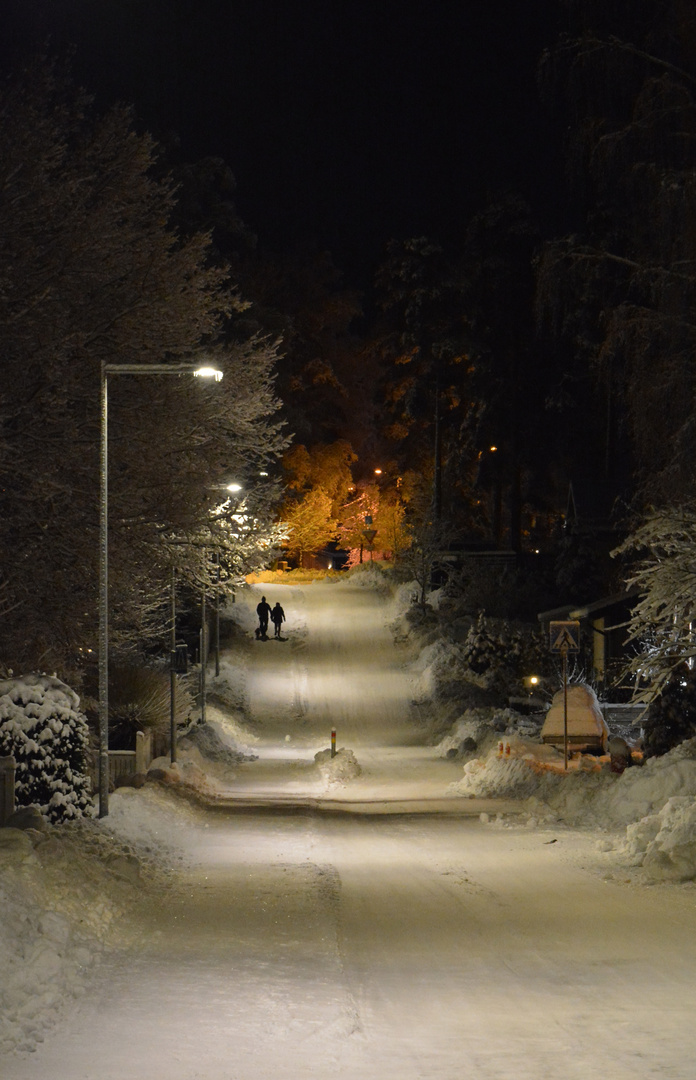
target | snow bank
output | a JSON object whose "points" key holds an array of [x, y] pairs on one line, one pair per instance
{"points": [[214, 748], [480, 730], [426, 670], [340, 768], [155, 822], [64, 892], [655, 804]]}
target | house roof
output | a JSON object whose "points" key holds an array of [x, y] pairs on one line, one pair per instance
{"points": [[585, 611]]}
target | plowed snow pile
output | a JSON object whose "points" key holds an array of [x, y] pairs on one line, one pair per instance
{"points": [[651, 809], [64, 892]]}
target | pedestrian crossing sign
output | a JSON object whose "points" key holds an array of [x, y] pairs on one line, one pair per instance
{"points": [[564, 636], [179, 660]]}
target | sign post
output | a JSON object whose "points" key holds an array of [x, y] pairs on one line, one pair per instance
{"points": [[370, 535], [178, 665], [564, 637]]}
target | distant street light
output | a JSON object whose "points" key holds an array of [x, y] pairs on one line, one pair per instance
{"points": [[106, 370]]}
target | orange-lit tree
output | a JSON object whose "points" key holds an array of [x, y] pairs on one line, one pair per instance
{"points": [[309, 524]]}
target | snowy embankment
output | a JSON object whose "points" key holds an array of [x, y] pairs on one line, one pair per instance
{"points": [[340, 768], [589, 794], [645, 816], [64, 892], [650, 810], [66, 879]]}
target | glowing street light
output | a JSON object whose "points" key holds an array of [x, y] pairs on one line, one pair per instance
{"points": [[208, 373], [106, 370]]}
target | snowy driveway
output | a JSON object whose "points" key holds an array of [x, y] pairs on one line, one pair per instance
{"points": [[306, 943]]}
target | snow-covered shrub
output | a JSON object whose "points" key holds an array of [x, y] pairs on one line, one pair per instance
{"points": [[42, 728], [500, 654], [483, 651]]}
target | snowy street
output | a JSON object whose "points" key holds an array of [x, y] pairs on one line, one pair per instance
{"points": [[380, 927]]}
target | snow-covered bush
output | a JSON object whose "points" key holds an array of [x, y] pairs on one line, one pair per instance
{"points": [[500, 654], [42, 728], [661, 625]]}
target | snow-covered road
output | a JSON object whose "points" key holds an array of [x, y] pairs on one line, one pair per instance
{"points": [[308, 943], [432, 946]]}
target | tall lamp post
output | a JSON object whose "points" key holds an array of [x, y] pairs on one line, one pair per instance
{"points": [[106, 370]]}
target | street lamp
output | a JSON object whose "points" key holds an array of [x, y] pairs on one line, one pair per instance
{"points": [[106, 370], [234, 488]]}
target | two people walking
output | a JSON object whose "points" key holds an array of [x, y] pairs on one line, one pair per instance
{"points": [[266, 612]]}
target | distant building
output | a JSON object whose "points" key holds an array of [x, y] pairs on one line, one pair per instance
{"points": [[605, 647]]}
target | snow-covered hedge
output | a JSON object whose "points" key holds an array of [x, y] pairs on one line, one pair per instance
{"points": [[42, 728]]}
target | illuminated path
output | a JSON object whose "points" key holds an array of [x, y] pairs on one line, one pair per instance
{"points": [[414, 948], [308, 945], [339, 668]]}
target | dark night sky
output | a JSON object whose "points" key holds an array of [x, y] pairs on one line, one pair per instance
{"points": [[345, 122]]}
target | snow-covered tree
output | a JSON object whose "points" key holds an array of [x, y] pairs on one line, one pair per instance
{"points": [[327, 467], [663, 620], [309, 524], [42, 728], [671, 718], [93, 271]]}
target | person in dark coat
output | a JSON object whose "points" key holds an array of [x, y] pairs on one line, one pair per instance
{"points": [[263, 610], [277, 618]]}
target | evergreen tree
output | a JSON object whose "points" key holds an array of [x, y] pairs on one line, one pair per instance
{"points": [[620, 290]]}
